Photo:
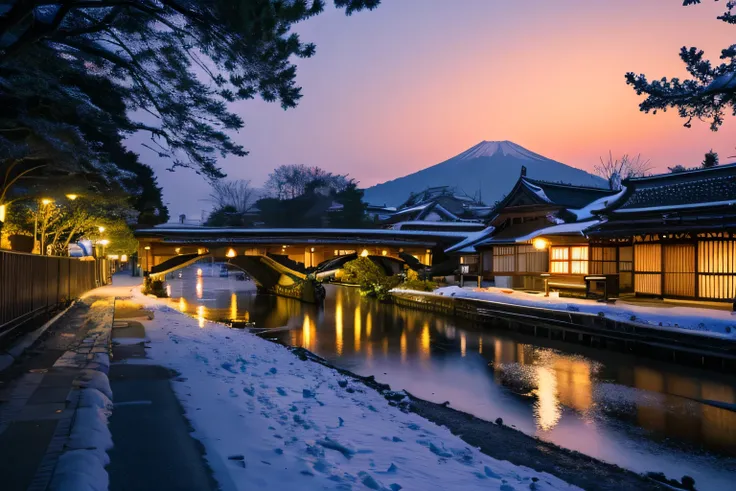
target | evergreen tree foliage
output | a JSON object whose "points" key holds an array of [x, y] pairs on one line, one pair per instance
{"points": [[711, 160], [708, 94], [178, 63]]}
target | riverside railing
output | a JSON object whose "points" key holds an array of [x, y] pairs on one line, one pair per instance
{"points": [[32, 287]]}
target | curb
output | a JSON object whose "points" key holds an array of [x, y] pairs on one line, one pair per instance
{"points": [[77, 454]]}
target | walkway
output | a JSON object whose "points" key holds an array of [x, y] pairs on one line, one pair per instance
{"points": [[56, 399]]}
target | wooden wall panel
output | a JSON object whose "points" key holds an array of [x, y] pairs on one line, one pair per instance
{"points": [[648, 283], [717, 269], [679, 270]]}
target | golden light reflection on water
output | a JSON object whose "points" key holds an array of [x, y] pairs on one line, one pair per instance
{"points": [[424, 343], [201, 315], [338, 326], [480, 344], [403, 346], [547, 409], [199, 287], [182, 305], [168, 290], [357, 329], [384, 347], [233, 306], [463, 345], [368, 325], [309, 333]]}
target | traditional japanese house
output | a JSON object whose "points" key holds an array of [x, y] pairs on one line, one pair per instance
{"points": [[671, 235], [537, 228]]}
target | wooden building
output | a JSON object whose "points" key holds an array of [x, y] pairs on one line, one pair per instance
{"points": [[534, 230], [674, 233], [670, 235]]}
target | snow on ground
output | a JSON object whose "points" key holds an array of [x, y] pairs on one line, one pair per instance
{"points": [[269, 420], [702, 321]]}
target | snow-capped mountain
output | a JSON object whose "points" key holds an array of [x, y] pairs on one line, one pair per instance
{"points": [[490, 167]]}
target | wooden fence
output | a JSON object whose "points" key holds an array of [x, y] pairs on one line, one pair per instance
{"points": [[32, 287]]}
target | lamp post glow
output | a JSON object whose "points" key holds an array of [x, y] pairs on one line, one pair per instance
{"points": [[72, 197], [44, 202], [2, 213], [101, 229], [540, 244], [104, 243]]}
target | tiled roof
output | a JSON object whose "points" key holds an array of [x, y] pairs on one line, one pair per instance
{"points": [[688, 189], [569, 196]]}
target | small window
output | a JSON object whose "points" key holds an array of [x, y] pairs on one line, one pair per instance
{"points": [[569, 260], [560, 260]]}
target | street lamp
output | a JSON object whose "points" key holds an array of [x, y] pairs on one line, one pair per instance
{"points": [[101, 229], [44, 202], [72, 197], [104, 243]]}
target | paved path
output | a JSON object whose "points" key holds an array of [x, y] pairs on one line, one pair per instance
{"points": [[41, 392], [48, 441], [153, 450]]}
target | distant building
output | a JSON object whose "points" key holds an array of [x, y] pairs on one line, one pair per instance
{"points": [[436, 208]]}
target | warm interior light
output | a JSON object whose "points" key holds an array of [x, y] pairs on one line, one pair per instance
{"points": [[45, 201], [178, 250], [148, 248], [104, 242], [124, 258], [231, 253], [312, 249], [72, 197], [364, 253], [384, 252], [540, 244]]}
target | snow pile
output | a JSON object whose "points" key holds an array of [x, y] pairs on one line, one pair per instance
{"points": [[706, 322], [269, 420], [82, 465]]}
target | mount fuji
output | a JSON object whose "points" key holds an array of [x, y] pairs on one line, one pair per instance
{"points": [[490, 167]]}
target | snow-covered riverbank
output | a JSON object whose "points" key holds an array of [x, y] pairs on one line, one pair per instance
{"points": [[271, 421], [706, 322]]}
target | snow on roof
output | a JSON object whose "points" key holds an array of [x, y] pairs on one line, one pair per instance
{"points": [[471, 240], [433, 224], [413, 209], [562, 229], [586, 213], [536, 190], [299, 231], [677, 207]]}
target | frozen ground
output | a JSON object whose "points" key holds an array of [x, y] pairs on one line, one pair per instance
{"points": [[706, 322], [269, 420]]}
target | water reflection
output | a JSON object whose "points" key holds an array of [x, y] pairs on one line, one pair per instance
{"points": [[640, 414]]}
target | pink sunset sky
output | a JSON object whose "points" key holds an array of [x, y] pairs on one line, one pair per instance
{"points": [[416, 82]]}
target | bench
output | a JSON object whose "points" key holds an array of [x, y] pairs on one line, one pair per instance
{"points": [[566, 283]]}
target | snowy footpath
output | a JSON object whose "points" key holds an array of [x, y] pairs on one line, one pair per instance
{"points": [[269, 420], [702, 321]]}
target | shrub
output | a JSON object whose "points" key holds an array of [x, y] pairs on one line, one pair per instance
{"points": [[419, 285], [372, 280], [154, 287]]}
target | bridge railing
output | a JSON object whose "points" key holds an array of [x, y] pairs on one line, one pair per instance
{"points": [[32, 287]]}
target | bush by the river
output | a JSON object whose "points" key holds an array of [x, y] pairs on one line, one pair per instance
{"points": [[371, 278], [413, 282], [154, 287]]}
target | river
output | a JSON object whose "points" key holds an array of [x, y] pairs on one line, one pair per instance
{"points": [[641, 414]]}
